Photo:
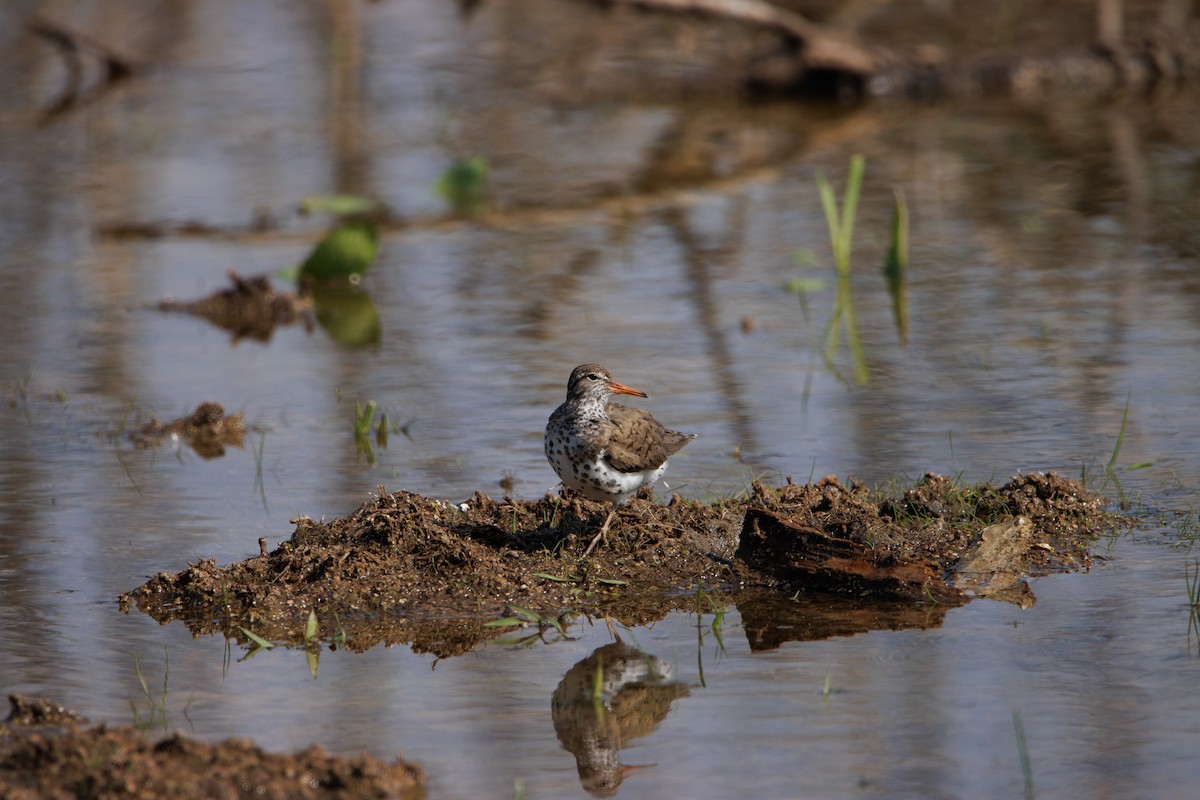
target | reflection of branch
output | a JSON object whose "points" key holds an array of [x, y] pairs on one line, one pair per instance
{"points": [[1167, 51], [71, 44], [823, 48]]}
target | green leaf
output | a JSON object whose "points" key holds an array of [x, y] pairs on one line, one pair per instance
{"points": [[1112, 462], [313, 656], [895, 268], [345, 253], [310, 628], [612, 581], [804, 285], [340, 205], [524, 613], [346, 313], [555, 578], [254, 637], [504, 623], [464, 186]]}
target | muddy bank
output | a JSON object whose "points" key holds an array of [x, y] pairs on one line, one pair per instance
{"points": [[407, 569], [48, 752]]}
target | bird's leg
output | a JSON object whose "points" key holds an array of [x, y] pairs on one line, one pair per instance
{"points": [[600, 535]]}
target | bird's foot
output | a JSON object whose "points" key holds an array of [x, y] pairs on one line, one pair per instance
{"points": [[600, 535]]}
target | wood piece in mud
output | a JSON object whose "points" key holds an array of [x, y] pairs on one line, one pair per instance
{"points": [[809, 558], [996, 562]]}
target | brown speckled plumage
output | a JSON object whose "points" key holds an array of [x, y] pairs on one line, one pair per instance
{"points": [[606, 451]]}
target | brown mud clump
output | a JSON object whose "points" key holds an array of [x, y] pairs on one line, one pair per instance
{"points": [[49, 753], [415, 570], [208, 430], [249, 308]]}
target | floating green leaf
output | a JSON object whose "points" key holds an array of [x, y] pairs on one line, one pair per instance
{"points": [[344, 254], [339, 205], [803, 284], [464, 186], [346, 313]]}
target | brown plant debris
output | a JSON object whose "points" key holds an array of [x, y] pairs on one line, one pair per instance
{"points": [[207, 430], [249, 308], [410, 569], [47, 753]]}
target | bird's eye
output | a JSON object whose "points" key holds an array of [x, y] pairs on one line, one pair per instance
{"points": [[593, 376]]}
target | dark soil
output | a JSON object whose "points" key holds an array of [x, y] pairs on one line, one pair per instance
{"points": [[432, 574], [48, 753]]}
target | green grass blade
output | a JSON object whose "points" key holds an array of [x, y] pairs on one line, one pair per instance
{"points": [[858, 166], [841, 235], [310, 627], [895, 268], [254, 637], [1112, 462], [524, 613], [555, 578], [829, 204], [1023, 751]]}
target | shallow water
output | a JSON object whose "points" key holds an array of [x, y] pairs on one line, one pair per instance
{"points": [[1053, 276]]}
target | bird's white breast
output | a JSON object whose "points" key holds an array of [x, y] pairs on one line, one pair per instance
{"points": [[596, 479]]}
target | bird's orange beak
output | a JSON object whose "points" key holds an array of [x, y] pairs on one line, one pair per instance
{"points": [[620, 388]]}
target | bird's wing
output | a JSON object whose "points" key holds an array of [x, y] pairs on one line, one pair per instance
{"points": [[639, 442]]}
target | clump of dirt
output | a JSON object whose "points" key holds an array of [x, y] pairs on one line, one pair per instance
{"points": [[410, 569], [47, 753], [937, 540], [207, 430], [249, 308], [1064, 515]]}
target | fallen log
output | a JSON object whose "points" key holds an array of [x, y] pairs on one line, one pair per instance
{"points": [[807, 557]]}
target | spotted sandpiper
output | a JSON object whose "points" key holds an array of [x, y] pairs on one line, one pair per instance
{"points": [[605, 451]]}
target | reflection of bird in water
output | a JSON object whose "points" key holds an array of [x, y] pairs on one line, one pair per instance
{"points": [[610, 698]]}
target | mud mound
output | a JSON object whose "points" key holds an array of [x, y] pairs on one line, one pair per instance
{"points": [[410, 569], [47, 753]]}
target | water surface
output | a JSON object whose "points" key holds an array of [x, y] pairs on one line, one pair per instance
{"points": [[1053, 279]]}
